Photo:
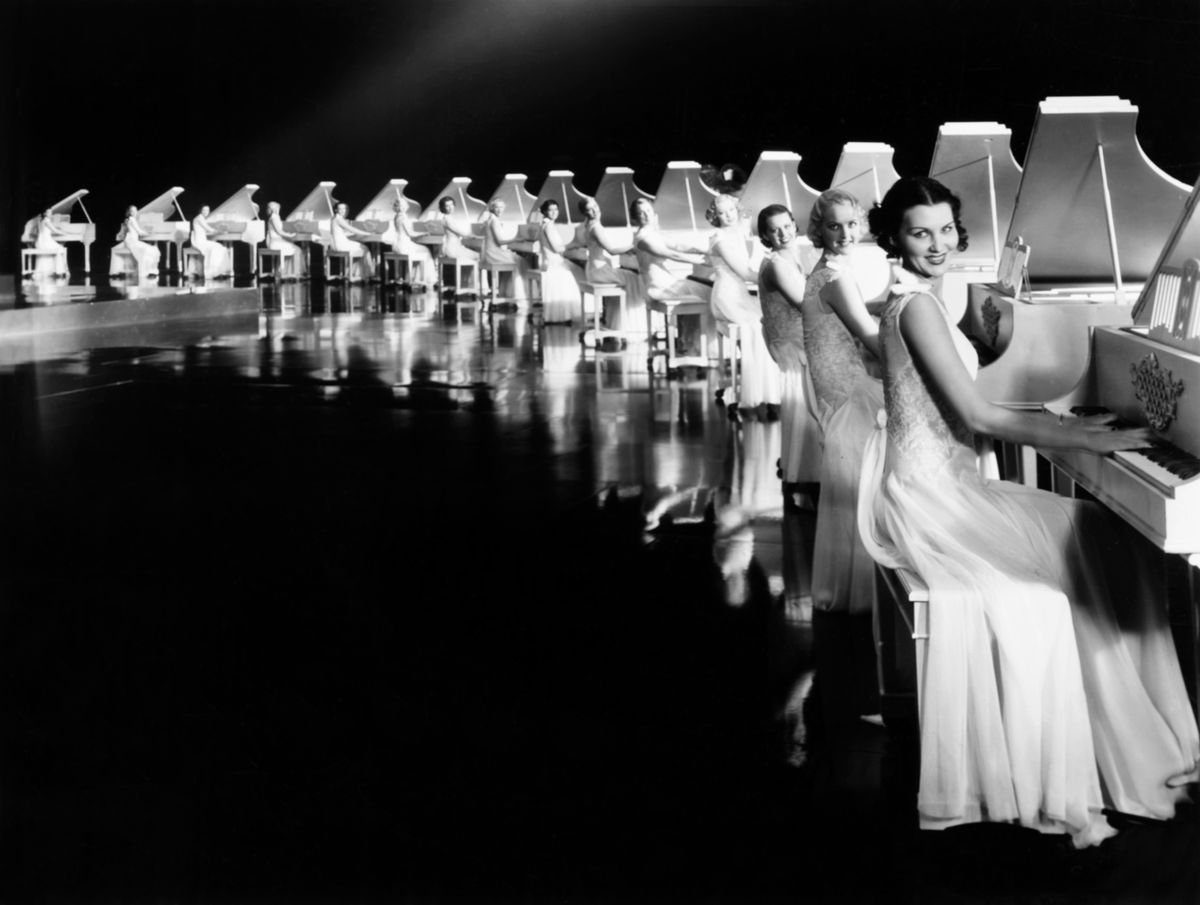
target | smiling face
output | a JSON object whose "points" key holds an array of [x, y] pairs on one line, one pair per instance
{"points": [[205, 211], [497, 207], [927, 239], [341, 210], [592, 210], [551, 212], [780, 230], [840, 228], [643, 213]]}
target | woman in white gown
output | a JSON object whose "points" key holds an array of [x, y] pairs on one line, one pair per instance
{"points": [[1051, 687], [781, 293], [129, 239], [344, 237], [279, 239], [602, 263], [497, 235], [456, 229], [560, 290], [658, 280], [46, 239], [837, 329], [217, 259], [732, 303], [404, 242]]}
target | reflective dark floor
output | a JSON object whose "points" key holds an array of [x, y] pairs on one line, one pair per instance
{"points": [[373, 607]]}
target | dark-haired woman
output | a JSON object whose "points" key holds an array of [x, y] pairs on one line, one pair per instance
{"points": [[1051, 687], [560, 291], [781, 285]]}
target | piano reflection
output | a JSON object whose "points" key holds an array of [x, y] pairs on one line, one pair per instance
{"points": [[66, 231], [1148, 373], [236, 220], [1094, 213], [975, 162], [158, 227]]}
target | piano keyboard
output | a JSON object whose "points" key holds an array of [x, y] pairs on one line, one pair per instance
{"points": [[1167, 467]]}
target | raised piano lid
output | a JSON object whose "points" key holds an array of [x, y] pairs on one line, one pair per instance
{"points": [[380, 207], [865, 171], [518, 201], [60, 213], [1078, 146], [775, 179], [560, 186], [1168, 304], [238, 206], [162, 206], [614, 195], [456, 188], [317, 204], [975, 161], [682, 197]]}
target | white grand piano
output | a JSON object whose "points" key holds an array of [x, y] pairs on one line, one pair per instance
{"points": [[155, 220], [60, 215], [519, 202], [1093, 213], [975, 161], [560, 187], [467, 206], [310, 220], [379, 214], [775, 179], [614, 195], [236, 220], [864, 170]]}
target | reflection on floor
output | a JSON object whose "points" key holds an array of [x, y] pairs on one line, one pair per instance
{"points": [[374, 607]]}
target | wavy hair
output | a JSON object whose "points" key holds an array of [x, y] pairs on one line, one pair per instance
{"points": [[886, 217]]}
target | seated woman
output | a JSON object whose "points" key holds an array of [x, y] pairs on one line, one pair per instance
{"points": [[129, 239], [781, 286], [45, 239], [837, 328], [601, 265], [560, 291], [659, 281], [218, 261], [405, 242], [732, 303], [496, 237], [279, 239], [1051, 685], [345, 237]]}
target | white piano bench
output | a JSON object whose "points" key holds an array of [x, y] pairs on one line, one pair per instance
{"points": [[124, 264], [494, 271], [671, 309], [192, 264], [397, 267], [598, 292], [275, 257], [735, 356], [901, 645], [458, 274], [343, 258], [30, 258]]}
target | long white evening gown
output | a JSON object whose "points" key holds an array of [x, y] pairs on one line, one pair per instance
{"points": [[493, 253], [129, 239], [276, 240], [404, 242], [848, 400], [560, 291], [783, 332], [732, 303], [601, 267], [1050, 663], [217, 259], [362, 262], [44, 241]]}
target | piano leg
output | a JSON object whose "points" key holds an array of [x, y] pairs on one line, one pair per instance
{"points": [[1193, 561]]}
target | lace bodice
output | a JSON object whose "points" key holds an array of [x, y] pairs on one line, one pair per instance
{"points": [[834, 355], [924, 435], [782, 322]]}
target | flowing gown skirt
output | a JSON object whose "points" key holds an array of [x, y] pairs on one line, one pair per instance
{"points": [[1050, 663]]}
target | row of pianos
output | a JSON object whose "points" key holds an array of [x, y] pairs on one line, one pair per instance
{"points": [[1079, 288]]}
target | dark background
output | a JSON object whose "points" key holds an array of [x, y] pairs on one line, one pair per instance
{"points": [[129, 97]]}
